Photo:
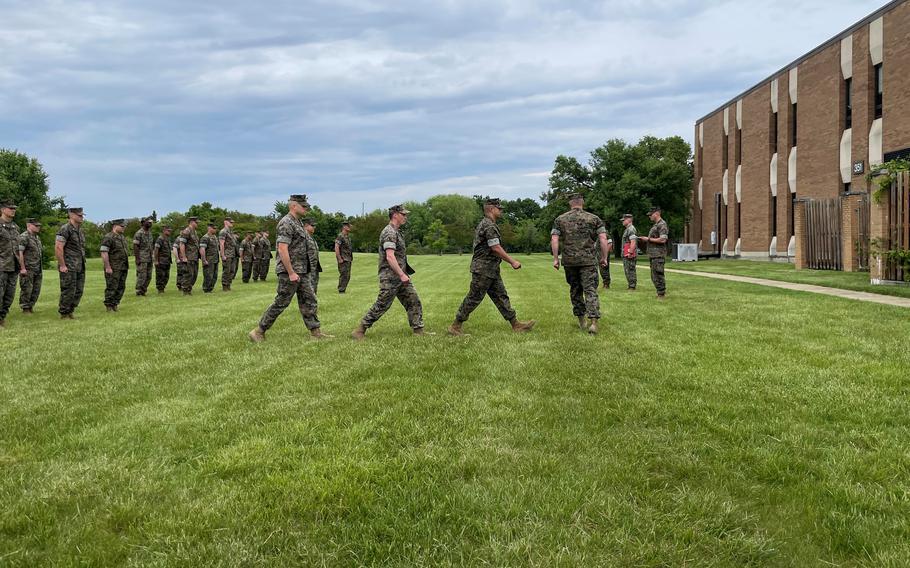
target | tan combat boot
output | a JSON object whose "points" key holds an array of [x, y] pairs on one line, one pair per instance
{"points": [[455, 329], [592, 329], [359, 333], [257, 335], [420, 331], [317, 334], [2, 324], [522, 326], [581, 323]]}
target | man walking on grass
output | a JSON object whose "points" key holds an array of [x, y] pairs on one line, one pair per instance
{"points": [[292, 266], [394, 277], [69, 249], [116, 258], [579, 230], [485, 277], [9, 258], [657, 240], [31, 261]]}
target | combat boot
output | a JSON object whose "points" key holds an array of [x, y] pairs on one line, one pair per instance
{"points": [[257, 335], [581, 323], [317, 334], [359, 333], [522, 326], [2, 324], [592, 328], [455, 329], [420, 331], [109, 308], [225, 288]]}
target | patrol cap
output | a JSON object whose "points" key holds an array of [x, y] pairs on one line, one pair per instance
{"points": [[626, 216], [75, 210], [231, 219], [165, 227], [120, 222], [300, 198], [7, 204], [309, 221], [576, 197], [655, 209], [144, 219], [397, 209], [212, 225], [346, 222], [33, 221], [494, 201], [191, 219]]}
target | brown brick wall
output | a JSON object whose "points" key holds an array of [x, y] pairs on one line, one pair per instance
{"points": [[756, 190], [783, 168], [896, 112], [819, 129], [713, 174], [862, 103]]}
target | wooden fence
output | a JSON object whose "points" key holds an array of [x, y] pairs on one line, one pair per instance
{"points": [[823, 234], [899, 224], [861, 220]]}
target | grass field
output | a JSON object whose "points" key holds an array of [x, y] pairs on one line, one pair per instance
{"points": [[858, 281], [730, 425]]}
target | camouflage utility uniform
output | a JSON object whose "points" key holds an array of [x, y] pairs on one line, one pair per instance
{"points": [[579, 230], [9, 265], [30, 283], [315, 265], [211, 252], [163, 266], [486, 279], [265, 257], [391, 286], [190, 241], [246, 247], [604, 270], [142, 247], [118, 256], [657, 254], [72, 282], [629, 239], [231, 251], [291, 232], [347, 254]]}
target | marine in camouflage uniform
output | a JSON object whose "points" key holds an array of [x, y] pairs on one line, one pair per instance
{"points": [[31, 259], [394, 282], [115, 255], [265, 256], [230, 250], [188, 249], [604, 268], [162, 259], [69, 249], [143, 245], [344, 256], [629, 251], [9, 258], [315, 266], [658, 239], [485, 277], [210, 252], [246, 257], [577, 231], [293, 279], [257, 255]]}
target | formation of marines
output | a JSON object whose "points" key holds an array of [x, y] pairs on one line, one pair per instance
{"points": [[579, 245]]}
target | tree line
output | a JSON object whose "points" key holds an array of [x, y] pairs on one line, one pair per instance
{"points": [[618, 178]]}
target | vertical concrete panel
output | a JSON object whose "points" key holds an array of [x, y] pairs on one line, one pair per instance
{"points": [[846, 57], [876, 41], [773, 175], [846, 158], [793, 85], [791, 170], [876, 153], [774, 89]]}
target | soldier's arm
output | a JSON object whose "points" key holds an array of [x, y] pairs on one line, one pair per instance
{"points": [[21, 253], [181, 251], [136, 247], [58, 252], [155, 250], [554, 248], [393, 264], [221, 247], [106, 258], [338, 253], [202, 248], [501, 253], [604, 248], [285, 258]]}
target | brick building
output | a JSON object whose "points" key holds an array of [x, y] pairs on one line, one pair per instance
{"points": [[811, 130]]}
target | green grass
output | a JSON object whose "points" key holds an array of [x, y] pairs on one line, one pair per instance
{"points": [[730, 425], [858, 281]]}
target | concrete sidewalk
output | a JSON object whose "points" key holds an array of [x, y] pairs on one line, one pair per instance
{"points": [[837, 292]]}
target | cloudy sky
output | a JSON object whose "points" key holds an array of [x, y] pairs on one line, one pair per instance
{"points": [[135, 106]]}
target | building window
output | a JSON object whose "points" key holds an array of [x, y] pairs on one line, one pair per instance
{"points": [[726, 148], [793, 125], [848, 104], [847, 188], [739, 146], [773, 134], [773, 215], [879, 90]]}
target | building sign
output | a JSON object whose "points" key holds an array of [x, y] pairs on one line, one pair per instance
{"points": [[859, 168]]}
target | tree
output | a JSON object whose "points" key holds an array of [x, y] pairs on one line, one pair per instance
{"points": [[437, 237], [528, 236], [24, 181], [459, 214]]}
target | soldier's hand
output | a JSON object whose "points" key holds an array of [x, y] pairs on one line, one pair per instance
{"points": [[604, 262], [63, 269], [23, 271], [108, 270], [556, 264], [516, 265], [404, 278], [205, 263], [294, 277]]}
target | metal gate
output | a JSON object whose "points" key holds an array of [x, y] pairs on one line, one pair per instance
{"points": [[862, 217], [823, 234], [899, 225]]}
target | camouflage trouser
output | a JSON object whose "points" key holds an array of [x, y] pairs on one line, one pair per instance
{"points": [[143, 277], [7, 291], [306, 301], [583, 290], [257, 264], [628, 266], [264, 267], [486, 286], [408, 297], [71, 286], [344, 275], [228, 271], [190, 275], [114, 286], [162, 275], [209, 276], [657, 275], [605, 273], [314, 281], [247, 270], [30, 289], [181, 270]]}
